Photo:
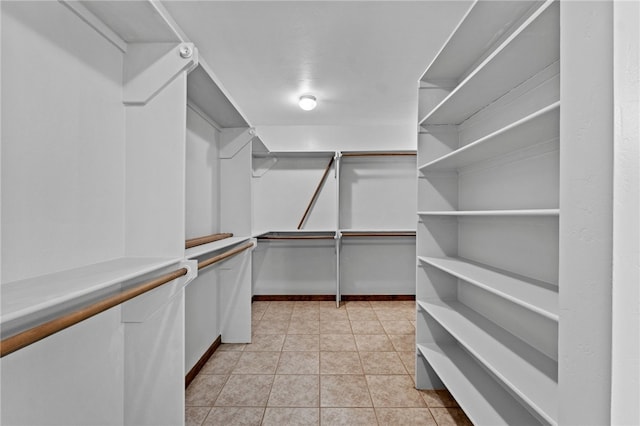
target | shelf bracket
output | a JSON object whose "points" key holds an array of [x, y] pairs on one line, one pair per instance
{"points": [[150, 67], [232, 140]]}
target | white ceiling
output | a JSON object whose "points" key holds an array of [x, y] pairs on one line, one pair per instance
{"points": [[361, 59]]}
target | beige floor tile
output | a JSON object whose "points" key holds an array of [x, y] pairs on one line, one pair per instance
{"points": [[450, 417], [403, 342], [299, 363], [270, 327], [301, 342], [257, 363], [337, 342], [390, 314], [232, 347], [409, 360], [270, 315], [221, 363], [330, 304], [249, 416], [394, 391], [245, 390], [362, 314], [367, 327], [333, 314], [194, 416], [281, 306], [347, 416], [265, 343], [307, 314], [340, 363], [405, 416], [279, 416], [335, 327], [295, 391], [344, 391], [357, 304], [304, 327], [439, 399], [398, 327], [204, 389], [258, 309], [373, 342], [381, 363]]}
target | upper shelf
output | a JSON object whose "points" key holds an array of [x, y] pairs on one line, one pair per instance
{"points": [[209, 97], [131, 21], [485, 23], [541, 126], [33, 296], [532, 47]]}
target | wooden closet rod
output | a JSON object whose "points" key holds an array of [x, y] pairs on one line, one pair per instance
{"points": [[315, 194], [377, 154], [297, 237], [222, 256], [206, 239], [378, 234], [39, 332]]}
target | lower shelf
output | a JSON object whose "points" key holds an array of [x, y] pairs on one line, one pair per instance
{"points": [[481, 397]]}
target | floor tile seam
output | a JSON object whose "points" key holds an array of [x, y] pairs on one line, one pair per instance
{"points": [[219, 393]]}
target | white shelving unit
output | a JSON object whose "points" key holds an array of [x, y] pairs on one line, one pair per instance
{"points": [[358, 184], [488, 214]]}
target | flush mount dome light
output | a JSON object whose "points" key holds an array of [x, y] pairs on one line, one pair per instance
{"points": [[307, 102]]}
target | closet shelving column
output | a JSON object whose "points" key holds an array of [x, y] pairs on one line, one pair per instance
{"points": [[95, 193], [294, 219], [376, 222], [487, 239], [218, 302]]}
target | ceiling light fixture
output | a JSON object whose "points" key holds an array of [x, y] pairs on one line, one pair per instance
{"points": [[307, 102]]}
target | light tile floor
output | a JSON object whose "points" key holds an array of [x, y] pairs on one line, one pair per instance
{"points": [[310, 363]]}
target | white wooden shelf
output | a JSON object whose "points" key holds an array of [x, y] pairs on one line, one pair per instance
{"points": [[482, 25], [528, 373], [537, 296], [528, 50], [200, 250], [31, 296], [483, 399], [130, 21], [523, 212], [539, 127]]}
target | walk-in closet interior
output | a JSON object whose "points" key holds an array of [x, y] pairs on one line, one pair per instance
{"points": [[450, 237]]}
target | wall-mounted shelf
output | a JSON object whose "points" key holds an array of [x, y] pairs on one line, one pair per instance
{"points": [[539, 127], [23, 299], [524, 370], [528, 50], [534, 295], [203, 249], [485, 401], [483, 25], [522, 212]]}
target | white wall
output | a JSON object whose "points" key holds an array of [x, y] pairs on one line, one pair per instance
{"points": [[63, 164], [338, 138], [202, 177], [202, 323]]}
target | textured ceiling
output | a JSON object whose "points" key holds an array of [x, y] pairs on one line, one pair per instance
{"points": [[360, 59]]}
